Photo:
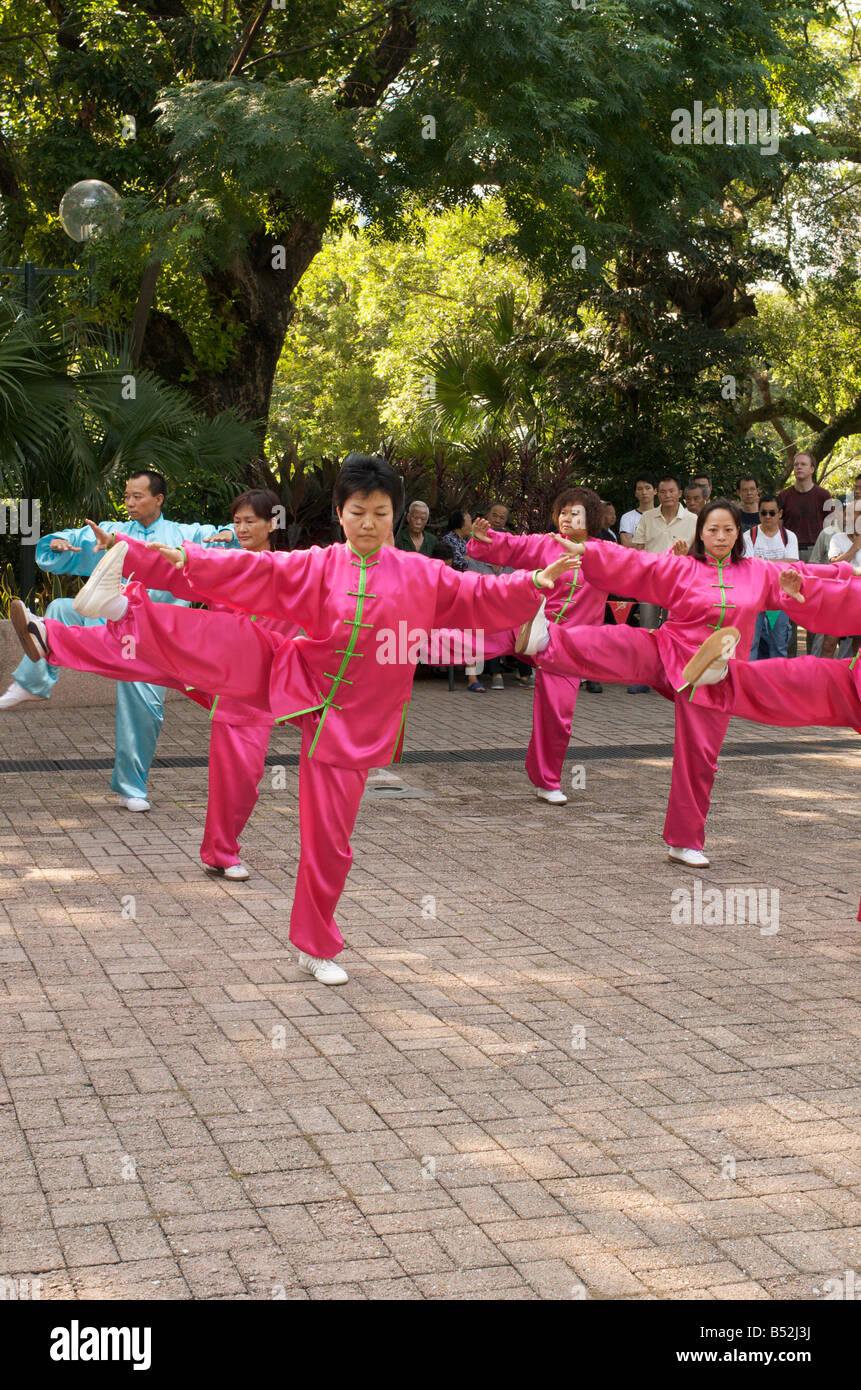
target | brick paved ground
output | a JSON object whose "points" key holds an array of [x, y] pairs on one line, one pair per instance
{"points": [[547, 1088]]}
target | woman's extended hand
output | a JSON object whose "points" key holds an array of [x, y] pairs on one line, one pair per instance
{"points": [[103, 537], [170, 552], [791, 582], [551, 574], [480, 528], [573, 547], [680, 547]]}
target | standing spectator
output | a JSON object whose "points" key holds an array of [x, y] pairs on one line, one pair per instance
{"points": [[644, 491], [747, 489], [804, 513], [804, 504], [770, 541], [458, 533], [607, 532], [660, 529], [695, 498], [705, 482], [412, 535]]}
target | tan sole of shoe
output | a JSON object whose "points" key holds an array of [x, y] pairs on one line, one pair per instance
{"points": [[712, 649], [673, 860], [18, 614], [523, 636]]}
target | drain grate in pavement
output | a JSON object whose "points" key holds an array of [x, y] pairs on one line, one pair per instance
{"points": [[752, 749]]}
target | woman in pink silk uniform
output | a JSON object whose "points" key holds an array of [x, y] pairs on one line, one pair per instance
{"points": [[577, 513], [706, 591], [346, 683], [239, 734]]}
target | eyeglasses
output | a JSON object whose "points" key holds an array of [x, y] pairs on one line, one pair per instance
{"points": [[768, 511]]}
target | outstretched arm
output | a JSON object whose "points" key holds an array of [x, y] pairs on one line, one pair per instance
{"points": [[270, 584], [498, 548], [829, 603], [635, 573], [74, 551], [492, 602]]}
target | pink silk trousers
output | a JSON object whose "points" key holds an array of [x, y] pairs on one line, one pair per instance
{"points": [[237, 761], [552, 714]]}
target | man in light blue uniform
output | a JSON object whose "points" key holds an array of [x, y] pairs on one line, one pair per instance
{"points": [[140, 708]]}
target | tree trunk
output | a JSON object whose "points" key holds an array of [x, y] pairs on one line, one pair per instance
{"points": [[251, 292]]}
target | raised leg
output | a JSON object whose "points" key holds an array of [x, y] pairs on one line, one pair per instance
{"points": [[622, 654], [795, 692], [237, 761], [329, 800], [163, 644]]}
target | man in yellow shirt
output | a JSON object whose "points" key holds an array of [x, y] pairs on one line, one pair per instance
{"points": [[659, 529]]}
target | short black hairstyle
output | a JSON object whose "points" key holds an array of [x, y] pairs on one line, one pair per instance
{"points": [[746, 478], [443, 551], [366, 473], [771, 497], [157, 483], [669, 478], [455, 521], [646, 478], [722, 504], [707, 476]]}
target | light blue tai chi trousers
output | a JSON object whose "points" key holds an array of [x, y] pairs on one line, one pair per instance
{"points": [[140, 708]]}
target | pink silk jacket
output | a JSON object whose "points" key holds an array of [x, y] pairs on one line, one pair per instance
{"points": [[353, 670]]}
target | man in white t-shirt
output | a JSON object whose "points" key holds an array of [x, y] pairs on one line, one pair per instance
{"points": [[770, 541], [644, 490]]}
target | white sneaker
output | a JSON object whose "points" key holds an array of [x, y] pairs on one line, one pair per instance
{"points": [[709, 665], [555, 798], [16, 695], [533, 636], [694, 858], [326, 971], [134, 803], [30, 631], [235, 871], [104, 584]]}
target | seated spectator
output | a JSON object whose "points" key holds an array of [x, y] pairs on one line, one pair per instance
{"points": [[695, 497], [498, 514], [412, 535], [456, 536], [747, 490], [770, 540]]}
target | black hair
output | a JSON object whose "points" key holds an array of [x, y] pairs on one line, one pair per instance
{"points": [[669, 478], [367, 473], [720, 504], [646, 478], [745, 478], [456, 520], [157, 484], [443, 551], [707, 476], [772, 497], [265, 504]]}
